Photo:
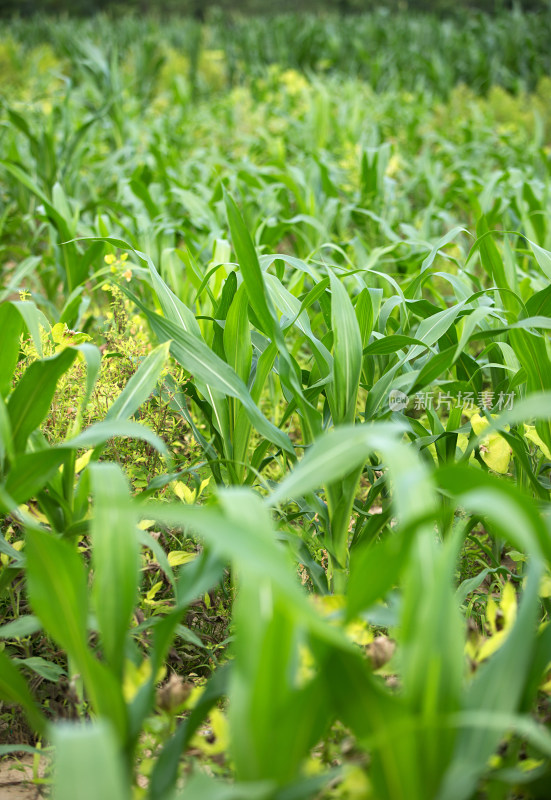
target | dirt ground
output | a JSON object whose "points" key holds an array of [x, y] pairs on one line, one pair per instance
{"points": [[15, 779]]}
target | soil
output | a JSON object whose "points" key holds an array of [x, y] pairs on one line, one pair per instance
{"points": [[15, 779], [16, 771]]}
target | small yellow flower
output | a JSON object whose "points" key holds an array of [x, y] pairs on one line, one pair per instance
{"points": [[109, 259]]}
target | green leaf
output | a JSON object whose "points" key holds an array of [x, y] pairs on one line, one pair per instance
{"points": [[431, 329], [491, 259], [57, 586], [13, 688], [31, 399], [347, 353], [391, 344], [265, 316], [364, 315], [543, 257], [11, 326], [30, 472], [101, 432], [276, 713], [332, 457], [58, 589], [250, 268], [115, 559], [237, 336], [200, 787], [89, 763], [140, 385], [8, 749], [34, 319], [6, 438], [45, 669], [433, 368], [375, 568], [196, 357], [432, 653], [20, 628]]}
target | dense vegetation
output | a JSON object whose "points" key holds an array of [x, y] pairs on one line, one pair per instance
{"points": [[201, 9], [275, 407]]}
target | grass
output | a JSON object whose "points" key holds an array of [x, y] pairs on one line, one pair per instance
{"points": [[275, 392]]}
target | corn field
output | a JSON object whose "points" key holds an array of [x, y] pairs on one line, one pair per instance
{"points": [[275, 406]]}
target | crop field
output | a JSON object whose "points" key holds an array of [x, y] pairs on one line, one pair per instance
{"points": [[275, 407]]}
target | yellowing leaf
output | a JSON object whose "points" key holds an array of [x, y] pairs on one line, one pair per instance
{"points": [[494, 450], [491, 614], [508, 607], [479, 423], [150, 596], [528, 764], [4, 558], [214, 739], [58, 332], [531, 435], [306, 666], [83, 461], [195, 695], [394, 166], [178, 557], [462, 441], [327, 604], [184, 493], [359, 633], [313, 766], [545, 586], [491, 645], [134, 677], [34, 512], [355, 785], [203, 486], [498, 454], [471, 649]]}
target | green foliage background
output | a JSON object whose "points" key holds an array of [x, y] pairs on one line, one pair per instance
{"points": [[202, 8]]}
